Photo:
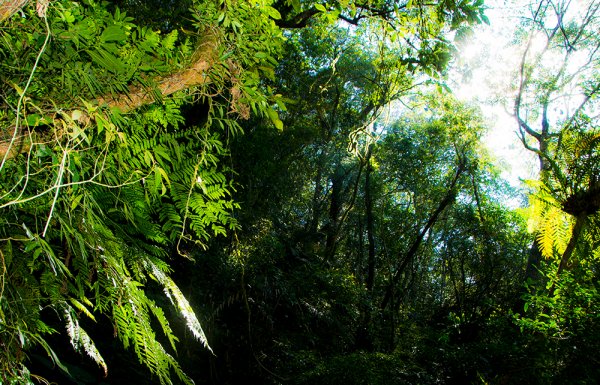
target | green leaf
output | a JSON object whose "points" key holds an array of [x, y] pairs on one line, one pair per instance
{"points": [[76, 114], [81, 307], [33, 120], [113, 33], [274, 116], [75, 201], [106, 60], [320, 7], [296, 5], [52, 354], [273, 13]]}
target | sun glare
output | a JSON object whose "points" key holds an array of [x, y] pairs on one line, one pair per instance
{"points": [[485, 75]]}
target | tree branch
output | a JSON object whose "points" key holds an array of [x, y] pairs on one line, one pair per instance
{"points": [[298, 21], [302, 19], [196, 74], [10, 7], [412, 251]]}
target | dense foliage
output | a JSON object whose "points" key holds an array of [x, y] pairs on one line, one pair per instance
{"points": [[286, 192]]}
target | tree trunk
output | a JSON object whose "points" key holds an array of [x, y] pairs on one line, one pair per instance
{"points": [[335, 207], [565, 260], [370, 225], [364, 337], [532, 271], [412, 251], [316, 200]]}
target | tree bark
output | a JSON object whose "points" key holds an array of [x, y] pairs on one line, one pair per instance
{"points": [[532, 270], [10, 7]]}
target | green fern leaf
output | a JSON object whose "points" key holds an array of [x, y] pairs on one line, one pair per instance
{"points": [[81, 340]]}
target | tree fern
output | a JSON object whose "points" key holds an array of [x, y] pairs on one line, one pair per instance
{"points": [[564, 209]]}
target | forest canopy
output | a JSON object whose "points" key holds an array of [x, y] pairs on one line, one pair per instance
{"points": [[228, 191]]}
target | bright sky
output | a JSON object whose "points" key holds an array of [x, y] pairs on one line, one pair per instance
{"points": [[486, 70]]}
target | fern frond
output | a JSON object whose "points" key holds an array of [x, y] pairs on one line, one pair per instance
{"points": [[81, 340], [134, 328], [551, 224], [553, 231], [82, 308], [178, 300], [164, 323]]}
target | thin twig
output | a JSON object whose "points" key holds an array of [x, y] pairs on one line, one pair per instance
{"points": [[61, 171], [20, 102]]}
